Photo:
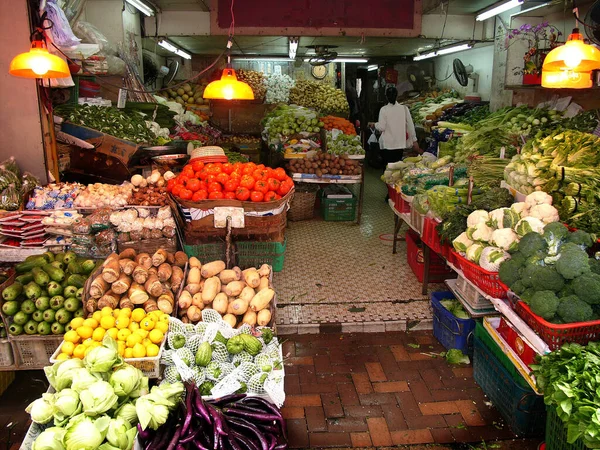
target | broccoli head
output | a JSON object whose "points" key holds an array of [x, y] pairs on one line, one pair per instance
{"points": [[527, 295], [566, 291], [594, 265], [532, 243], [544, 304], [518, 287], [555, 234], [547, 278], [581, 238], [518, 258], [587, 288], [573, 261], [510, 271], [528, 274], [537, 259], [573, 309]]}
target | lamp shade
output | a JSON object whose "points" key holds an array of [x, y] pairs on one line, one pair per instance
{"points": [[38, 63], [575, 56], [228, 88], [565, 79]]}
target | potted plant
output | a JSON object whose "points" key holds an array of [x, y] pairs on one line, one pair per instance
{"points": [[540, 38]]}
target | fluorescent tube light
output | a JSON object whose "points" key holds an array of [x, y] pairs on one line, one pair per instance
{"points": [[443, 51], [372, 67], [344, 60], [293, 48], [424, 56], [141, 6], [173, 49], [499, 9], [533, 8], [262, 58]]}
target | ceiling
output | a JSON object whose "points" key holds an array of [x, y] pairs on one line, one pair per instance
{"points": [[182, 5]]}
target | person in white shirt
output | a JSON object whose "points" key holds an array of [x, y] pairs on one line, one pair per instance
{"points": [[396, 127]]}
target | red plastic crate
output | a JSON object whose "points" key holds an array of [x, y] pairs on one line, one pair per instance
{"points": [[556, 335], [488, 282], [438, 270], [394, 195], [430, 236]]}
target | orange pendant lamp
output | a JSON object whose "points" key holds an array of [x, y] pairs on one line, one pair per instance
{"points": [[566, 79], [228, 87], [38, 63]]}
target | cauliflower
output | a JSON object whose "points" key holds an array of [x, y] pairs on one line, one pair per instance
{"points": [[478, 216], [474, 252], [545, 212], [528, 225], [491, 257], [538, 198], [506, 239], [503, 218], [462, 242], [480, 232]]}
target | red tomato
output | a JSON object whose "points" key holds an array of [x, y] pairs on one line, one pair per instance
{"points": [[193, 184], [211, 178], [214, 187], [285, 187], [227, 168], [188, 171], [242, 194], [231, 185], [261, 186], [257, 196], [270, 196], [197, 166], [237, 167], [185, 194], [260, 166], [273, 184], [235, 175], [247, 181], [199, 195], [223, 178], [177, 189], [203, 186], [182, 179], [259, 174], [216, 195], [202, 174], [230, 195], [246, 170], [278, 197], [279, 173], [215, 168], [171, 184]]}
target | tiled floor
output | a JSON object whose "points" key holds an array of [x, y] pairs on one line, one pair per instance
{"points": [[343, 273]]}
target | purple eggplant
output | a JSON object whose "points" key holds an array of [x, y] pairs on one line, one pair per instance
{"points": [[188, 409], [283, 446], [189, 438], [198, 445], [200, 406], [144, 434], [247, 407], [272, 441], [243, 441], [231, 442], [228, 399], [174, 439], [264, 403], [263, 417], [251, 428]]}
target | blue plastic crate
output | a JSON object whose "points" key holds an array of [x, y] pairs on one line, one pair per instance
{"points": [[451, 331], [522, 409]]}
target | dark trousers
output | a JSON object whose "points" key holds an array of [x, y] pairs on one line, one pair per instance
{"points": [[392, 156]]}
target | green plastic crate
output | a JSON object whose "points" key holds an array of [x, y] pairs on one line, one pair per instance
{"points": [[255, 254], [338, 209], [556, 433], [207, 252]]}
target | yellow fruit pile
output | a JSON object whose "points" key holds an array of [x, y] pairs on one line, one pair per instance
{"points": [[138, 334]]}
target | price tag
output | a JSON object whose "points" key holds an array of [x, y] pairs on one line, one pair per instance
{"points": [[122, 98], [502, 152], [470, 192]]}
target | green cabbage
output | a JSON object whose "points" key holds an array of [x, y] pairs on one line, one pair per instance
{"points": [[84, 433], [98, 398], [125, 379], [83, 379], [120, 434], [128, 413], [60, 375], [455, 356], [42, 409], [50, 439], [67, 405], [153, 409], [104, 357]]}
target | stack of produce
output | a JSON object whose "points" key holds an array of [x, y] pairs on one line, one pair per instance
{"points": [[325, 164], [93, 236], [99, 403], [60, 222], [441, 199], [490, 236], [240, 297], [14, 186], [54, 196], [131, 279], [202, 132], [550, 271], [319, 96], [433, 108], [46, 294], [139, 334], [338, 123], [152, 190], [343, 144], [256, 80], [466, 113], [278, 88], [240, 181], [288, 120], [99, 195], [142, 224], [240, 139], [159, 114], [487, 171], [188, 94]]}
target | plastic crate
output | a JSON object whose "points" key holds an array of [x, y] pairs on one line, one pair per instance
{"points": [[451, 331], [556, 335], [338, 209], [484, 337], [438, 270], [488, 282], [255, 254], [34, 352], [6, 354], [471, 295], [207, 252], [430, 236], [556, 433], [520, 407]]}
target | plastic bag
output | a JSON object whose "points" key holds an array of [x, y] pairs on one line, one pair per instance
{"points": [[10, 198], [116, 66], [421, 203], [100, 220], [11, 164], [29, 182], [88, 33], [82, 226], [106, 237], [62, 35], [7, 177]]}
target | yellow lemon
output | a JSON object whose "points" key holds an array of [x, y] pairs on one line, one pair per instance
{"points": [[164, 318], [152, 350], [128, 353], [85, 331], [125, 312], [62, 357], [79, 351], [142, 333], [98, 334], [112, 332], [139, 351], [87, 342], [148, 323], [97, 316], [67, 348], [107, 322], [122, 322], [95, 344], [156, 336], [133, 326], [123, 334], [138, 314], [106, 311], [163, 327], [116, 312], [146, 342], [76, 322], [133, 339], [72, 336], [121, 347], [92, 323]]}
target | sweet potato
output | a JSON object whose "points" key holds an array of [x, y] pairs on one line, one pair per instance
{"points": [[194, 262], [261, 300], [212, 268], [197, 300], [185, 300], [193, 288], [249, 318], [212, 286], [193, 275], [264, 284], [238, 307], [194, 314]]}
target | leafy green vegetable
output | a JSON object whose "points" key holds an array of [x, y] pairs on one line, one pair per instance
{"points": [[456, 356], [455, 308]]}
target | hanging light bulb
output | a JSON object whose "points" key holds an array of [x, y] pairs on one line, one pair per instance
{"points": [[575, 55], [228, 87], [38, 63]]}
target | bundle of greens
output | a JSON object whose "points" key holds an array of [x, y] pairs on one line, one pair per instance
{"points": [[455, 308]]}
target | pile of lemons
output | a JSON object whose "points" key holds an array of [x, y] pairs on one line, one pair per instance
{"points": [[138, 334]]}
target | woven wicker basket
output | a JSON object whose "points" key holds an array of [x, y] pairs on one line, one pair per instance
{"points": [[302, 206], [200, 152]]}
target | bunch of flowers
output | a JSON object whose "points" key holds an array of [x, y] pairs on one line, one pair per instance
{"points": [[540, 38]]}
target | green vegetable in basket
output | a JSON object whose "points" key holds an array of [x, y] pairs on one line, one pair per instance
{"points": [[104, 357], [50, 439], [84, 433], [42, 409], [455, 308]]}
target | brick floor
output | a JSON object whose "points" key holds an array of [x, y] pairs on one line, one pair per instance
{"points": [[374, 391]]}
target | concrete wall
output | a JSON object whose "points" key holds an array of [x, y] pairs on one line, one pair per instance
{"points": [[482, 60], [19, 108]]}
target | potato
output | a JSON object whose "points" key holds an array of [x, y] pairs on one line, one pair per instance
{"points": [[264, 284], [194, 262], [230, 319], [193, 288], [261, 300], [265, 270], [263, 318], [238, 307], [252, 278], [247, 294], [194, 275], [197, 300], [227, 276], [249, 318], [194, 313], [235, 288]]}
